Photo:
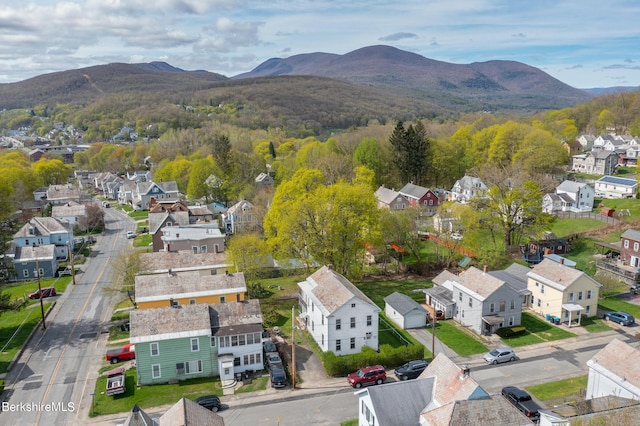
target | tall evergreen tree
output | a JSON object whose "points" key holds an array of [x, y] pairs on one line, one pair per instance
{"points": [[411, 152]]}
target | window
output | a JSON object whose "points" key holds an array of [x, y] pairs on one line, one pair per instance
{"points": [[470, 302], [492, 308], [588, 294], [353, 343], [203, 249], [353, 305], [236, 362], [155, 349], [155, 371], [313, 325], [626, 244], [533, 300], [338, 324], [571, 297], [234, 340], [636, 246], [460, 296], [338, 345], [193, 367], [213, 341], [580, 295], [368, 335], [538, 303], [511, 321], [192, 301], [322, 339], [542, 288], [195, 344], [223, 299], [194, 249], [258, 358], [250, 339], [353, 322], [322, 319], [588, 309], [502, 305], [512, 304], [369, 320], [25, 273], [312, 307]]}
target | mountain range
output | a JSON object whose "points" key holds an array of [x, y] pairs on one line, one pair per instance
{"points": [[382, 74]]}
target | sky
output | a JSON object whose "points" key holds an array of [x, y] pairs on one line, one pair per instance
{"points": [[585, 44]]}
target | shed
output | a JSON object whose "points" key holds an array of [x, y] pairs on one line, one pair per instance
{"points": [[405, 311]]}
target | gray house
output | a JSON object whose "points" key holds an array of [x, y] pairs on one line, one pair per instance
{"points": [[516, 276], [41, 231], [28, 260], [485, 303], [405, 311]]}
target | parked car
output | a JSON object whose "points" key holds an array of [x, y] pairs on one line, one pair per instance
{"points": [[131, 234], [273, 360], [278, 377], [269, 346], [122, 353], [456, 236], [44, 292], [620, 317], [497, 356], [522, 401], [367, 376], [411, 370], [210, 402]]}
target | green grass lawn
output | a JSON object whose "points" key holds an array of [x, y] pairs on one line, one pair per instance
{"points": [[616, 304], [544, 329], [143, 240], [143, 214], [457, 340], [563, 227], [15, 327], [150, 396], [568, 389], [594, 324], [378, 290]]}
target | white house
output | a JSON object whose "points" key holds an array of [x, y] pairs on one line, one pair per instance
{"points": [[466, 188], [569, 196], [339, 317], [616, 187], [615, 370], [404, 311]]}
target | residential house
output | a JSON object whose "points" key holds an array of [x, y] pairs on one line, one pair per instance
{"points": [[535, 250], [61, 194], [166, 214], [178, 262], [561, 291], [32, 262], [36, 154], [200, 238], [573, 148], [390, 199], [444, 222], [484, 303], [404, 311], [40, 194], [516, 276], [631, 155], [616, 187], [630, 248], [145, 191], [188, 288], [600, 141], [85, 178], [595, 162], [418, 196], [338, 316], [75, 214], [41, 231], [139, 176], [614, 371], [440, 296], [198, 340], [108, 184], [586, 141], [240, 217], [466, 188], [569, 196], [31, 208], [604, 410], [126, 191], [264, 180], [444, 394], [183, 413]]}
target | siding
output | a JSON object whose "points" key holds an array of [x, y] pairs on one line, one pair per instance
{"points": [[230, 297]]}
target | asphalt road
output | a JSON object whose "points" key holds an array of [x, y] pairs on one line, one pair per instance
{"points": [[52, 382]]}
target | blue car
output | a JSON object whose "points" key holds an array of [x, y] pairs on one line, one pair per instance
{"points": [[620, 317]]}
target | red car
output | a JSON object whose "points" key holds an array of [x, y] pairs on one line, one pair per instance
{"points": [[368, 376], [45, 292]]}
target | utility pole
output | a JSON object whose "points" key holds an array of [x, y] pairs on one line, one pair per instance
{"points": [[44, 326], [433, 334], [73, 272], [293, 347]]}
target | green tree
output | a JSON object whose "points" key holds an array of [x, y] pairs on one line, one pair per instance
{"points": [[201, 170], [248, 252], [412, 153], [51, 172]]}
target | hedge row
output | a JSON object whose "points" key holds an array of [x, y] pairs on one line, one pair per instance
{"points": [[388, 356]]}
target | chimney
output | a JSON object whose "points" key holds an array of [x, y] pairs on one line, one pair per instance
{"points": [[484, 270], [330, 267], [171, 302], [465, 372], [562, 260]]}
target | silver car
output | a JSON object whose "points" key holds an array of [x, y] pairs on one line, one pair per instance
{"points": [[499, 355]]}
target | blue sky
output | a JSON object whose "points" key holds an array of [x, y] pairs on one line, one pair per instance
{"points": [[585, 43]]}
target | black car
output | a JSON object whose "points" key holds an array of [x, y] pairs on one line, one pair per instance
{"points": [[522, 401], [269, 346], [210, 402], [411, 370], [278, 377]]}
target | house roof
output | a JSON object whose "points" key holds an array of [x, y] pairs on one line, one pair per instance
{"points": [[495, 411], [620, 359], [403, 304], [440, 293], [332, 290], [386, 195], [467, 182], [150, 288], [166, 187], [239, 207], [42, 226], [29, 253], [570, 186], [137, 417], [443, 277], [228, 319], [200, 231], [148, 325], [556, 275], [188, 413], [602, 410], [161, 262], [413, 191], [614, 180], [631, 234], [70, 208], [481, 283], [157, 220], [400, 403], [515, 276], [63, 192]]}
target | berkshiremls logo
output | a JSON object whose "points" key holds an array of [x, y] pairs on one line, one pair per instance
{"points": [[36, 406]]}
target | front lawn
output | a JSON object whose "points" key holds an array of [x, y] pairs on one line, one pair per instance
{"points": [[616, 304], [569, 389], [150, 396], [544, 329], [457, 340], [594, 324], [15, 327], [378, 290]]}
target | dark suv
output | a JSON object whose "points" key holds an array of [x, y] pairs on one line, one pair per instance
{"points": [[210, 402], [620, 317], [410, 370], [278, 377], [368, 376]]}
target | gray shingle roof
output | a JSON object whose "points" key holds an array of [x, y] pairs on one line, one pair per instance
{"points": [[400, 403], [402, 303], [413, 191]]}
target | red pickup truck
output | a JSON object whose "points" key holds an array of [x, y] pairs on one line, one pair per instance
{"points": [[123, 353]]}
